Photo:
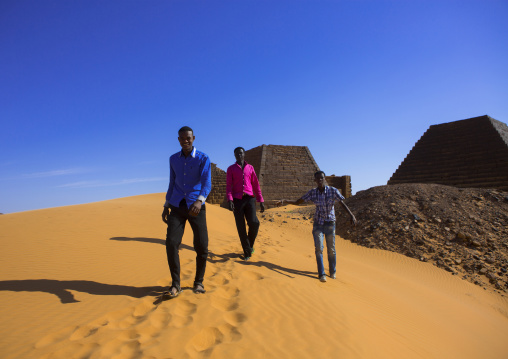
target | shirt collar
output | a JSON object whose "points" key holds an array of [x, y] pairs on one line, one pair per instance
{"points": [[318, 191], [193, 152], [244, 164]]}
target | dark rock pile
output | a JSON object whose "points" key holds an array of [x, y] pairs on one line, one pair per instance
{"points": [[462, 230]]}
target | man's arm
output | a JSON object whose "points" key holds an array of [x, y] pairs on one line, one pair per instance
{"points": [[306, 197], [206, 186], [256, 188], [171, 186], [282, 202], [353, 219], [229, 188], [169, 193]]}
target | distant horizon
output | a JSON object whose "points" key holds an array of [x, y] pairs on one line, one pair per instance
{"points": [[92, 93]]}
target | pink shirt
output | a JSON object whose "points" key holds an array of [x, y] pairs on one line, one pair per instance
{"points": [[239, 182]]}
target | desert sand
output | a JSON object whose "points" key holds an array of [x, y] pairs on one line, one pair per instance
{"points": [[83, 282]]}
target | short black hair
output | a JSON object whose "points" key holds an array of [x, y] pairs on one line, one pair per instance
{"points": [[185, 129], [238, 149], [318, 173]]}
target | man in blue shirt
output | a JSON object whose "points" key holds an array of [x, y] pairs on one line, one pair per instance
{"points": [[324, 198], [190, 182]]}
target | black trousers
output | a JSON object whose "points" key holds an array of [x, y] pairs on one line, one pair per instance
{"points": [[245, 209], [176, 226]]}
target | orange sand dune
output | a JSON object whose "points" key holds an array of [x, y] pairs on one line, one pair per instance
{"points": [[82, 282]]}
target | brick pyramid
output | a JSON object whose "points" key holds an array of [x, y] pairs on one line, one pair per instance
{"points": [[284, 172], [466, 153]]}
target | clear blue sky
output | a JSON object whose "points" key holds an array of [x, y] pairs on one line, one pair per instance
{"points": [[92, 93]]}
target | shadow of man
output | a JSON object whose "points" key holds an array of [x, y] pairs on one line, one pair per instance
{"points": [[61, 288]]}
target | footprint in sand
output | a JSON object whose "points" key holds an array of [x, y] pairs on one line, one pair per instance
{"points": [[235, 318], [118, 348], [252, 275], [218, 279], [84, 332], [206, 339], [225, 298], [143, 308], [129, 321], [160, 318], [230, 332], [183, 311], [128, 335], [227, 292]]}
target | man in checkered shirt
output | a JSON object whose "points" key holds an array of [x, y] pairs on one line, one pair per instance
{"points": [[324, 198]]}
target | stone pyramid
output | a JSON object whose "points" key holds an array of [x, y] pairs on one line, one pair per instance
{"points": [[284, 172], [466, 153]]}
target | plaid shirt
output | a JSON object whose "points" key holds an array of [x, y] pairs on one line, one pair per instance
{"points": [[325, 201]]}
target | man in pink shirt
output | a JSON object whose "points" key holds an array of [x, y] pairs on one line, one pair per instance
{"points": [[242, 191]]}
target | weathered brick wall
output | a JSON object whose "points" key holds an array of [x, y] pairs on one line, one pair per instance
{"points": [[284, 172], [218, 193], [466, 153], [342, 183]]}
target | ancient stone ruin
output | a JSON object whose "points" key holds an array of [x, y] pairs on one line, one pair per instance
{"points": [[466, 153], [218, 193], [284, 172], [342, 183]]}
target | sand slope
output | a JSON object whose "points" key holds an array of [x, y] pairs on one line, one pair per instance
{"points": [[82, 282]]}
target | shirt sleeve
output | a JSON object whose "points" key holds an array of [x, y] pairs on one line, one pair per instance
{"points": [[307, 196], [337, 195], [172, 177], [256, 188], [206, 178], [229, 184]]}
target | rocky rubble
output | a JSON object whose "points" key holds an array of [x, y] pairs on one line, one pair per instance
{"points": [[462, 230]]}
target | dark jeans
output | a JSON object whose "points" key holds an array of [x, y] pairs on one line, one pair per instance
{"points": [[176, 226], [245, 209]]}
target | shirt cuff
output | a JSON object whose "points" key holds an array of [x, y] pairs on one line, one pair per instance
{"points": [[202, 198], [166, 204]]}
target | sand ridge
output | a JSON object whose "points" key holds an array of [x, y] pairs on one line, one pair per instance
{"points": [[85, 282]]}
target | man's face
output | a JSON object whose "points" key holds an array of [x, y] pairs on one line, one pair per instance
{"points": [[320, 180], [239, 155], [186, 139]]}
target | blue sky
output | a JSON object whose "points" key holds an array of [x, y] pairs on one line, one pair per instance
{"points": [[92, 93]]}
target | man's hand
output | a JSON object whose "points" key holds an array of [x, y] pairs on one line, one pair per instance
{"points": [[262, 204], [279, 203], [231, 205], [195, 208], [165, 215]]}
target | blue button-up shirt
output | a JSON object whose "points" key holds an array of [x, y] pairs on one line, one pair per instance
{"points": [[324, 201], [189, 177]]}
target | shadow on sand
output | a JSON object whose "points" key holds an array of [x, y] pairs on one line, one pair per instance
{"points": [[221, 258], [61, 288]]}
